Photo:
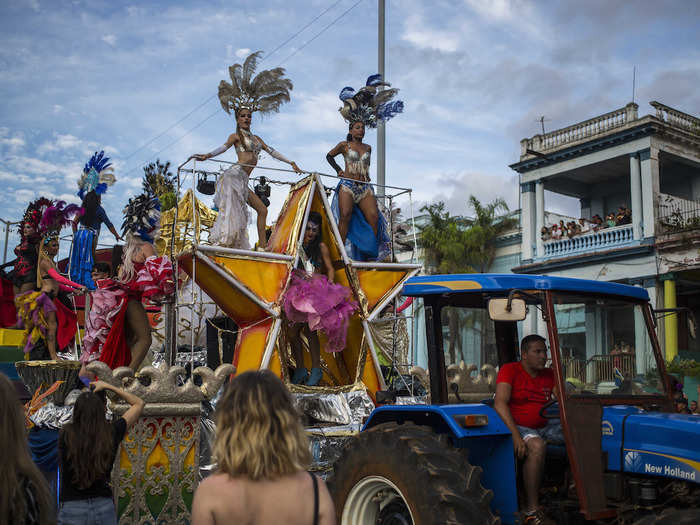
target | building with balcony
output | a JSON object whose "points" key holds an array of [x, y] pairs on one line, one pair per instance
{"points": [[648, 164]]}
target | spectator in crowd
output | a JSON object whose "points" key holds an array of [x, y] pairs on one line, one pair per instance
{"points": [[584, 226], [682, 404], [545, 234], [598, 223], [556, 232], [262, 454], [564, 230], [694, 407], [610, 220], [25, 497], [623, 216], [87, 447]]}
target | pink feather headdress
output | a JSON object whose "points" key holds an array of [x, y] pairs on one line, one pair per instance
{"points": [[56, 216]]}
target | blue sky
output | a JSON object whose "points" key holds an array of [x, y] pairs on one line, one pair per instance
{"points": [[78, 76]]}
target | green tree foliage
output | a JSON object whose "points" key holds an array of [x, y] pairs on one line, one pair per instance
{"points": [[453, 244], [159, 181]]}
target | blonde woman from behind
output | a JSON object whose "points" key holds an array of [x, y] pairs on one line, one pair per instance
{"points": [[262, 453]]}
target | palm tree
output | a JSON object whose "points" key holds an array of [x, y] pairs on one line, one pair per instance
{"points": [[489, 223]]}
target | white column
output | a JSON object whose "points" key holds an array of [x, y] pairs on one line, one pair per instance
{"points": [[636, 196], [527, 220], [539, 220], [649, 171]]}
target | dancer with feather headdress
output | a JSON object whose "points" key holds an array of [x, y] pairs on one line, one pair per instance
{"points": [[23, 275], [96, 178], [245, 95], [49, 324], [354, 204], [118, 303]]}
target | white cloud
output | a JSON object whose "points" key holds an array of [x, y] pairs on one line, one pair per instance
{"points": [[417, 32], [13, 143], [242, 52], [109, 39]]}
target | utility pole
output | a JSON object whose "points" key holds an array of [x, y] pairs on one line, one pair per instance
{"points": [[381, 129]]}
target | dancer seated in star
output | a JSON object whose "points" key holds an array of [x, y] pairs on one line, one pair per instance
{"points": [[96, 178], [264, 94], [314, 302], [49, 324], [354, 204], [117, 331]]}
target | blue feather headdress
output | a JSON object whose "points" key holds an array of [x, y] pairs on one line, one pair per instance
{"points": [[97, 175], [369, 105], [142, 217]]}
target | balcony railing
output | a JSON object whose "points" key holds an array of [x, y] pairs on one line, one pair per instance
{"points": [[600, 368], [581, 131], [676, 118], [606, 239], [676, 214]]}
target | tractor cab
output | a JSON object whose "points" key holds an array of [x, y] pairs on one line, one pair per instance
{"points": [[450, 459], [602, 348]]}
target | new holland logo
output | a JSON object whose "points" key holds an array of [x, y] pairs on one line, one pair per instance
{"points": [[607, 428]]}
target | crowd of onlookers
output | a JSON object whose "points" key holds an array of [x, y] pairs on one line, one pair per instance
{"points": [[261, 447], [571, 229]]}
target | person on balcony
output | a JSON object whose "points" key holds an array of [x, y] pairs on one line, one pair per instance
{"points": [[522, 389]]}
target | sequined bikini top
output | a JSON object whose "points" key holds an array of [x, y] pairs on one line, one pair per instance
{"points": [[357, 164], [249, 143]]}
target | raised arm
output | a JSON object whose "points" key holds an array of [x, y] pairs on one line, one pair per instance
{"points": [[277, 155], [102, 214], [332, 154], [134, 411], [232, 139]]}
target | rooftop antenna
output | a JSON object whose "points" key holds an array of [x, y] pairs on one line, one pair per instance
{"points": [[542, 120], [634, 81]]}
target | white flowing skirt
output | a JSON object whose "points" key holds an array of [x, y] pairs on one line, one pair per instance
{"points": [[231, 198]]}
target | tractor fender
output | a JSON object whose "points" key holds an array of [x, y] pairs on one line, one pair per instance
{"points": [[443, 419], [489, 447]]}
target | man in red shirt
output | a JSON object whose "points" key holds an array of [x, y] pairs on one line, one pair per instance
{"points": [[522, 389]]}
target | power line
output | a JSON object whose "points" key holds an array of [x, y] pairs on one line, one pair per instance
{"points": [[353, 6], [298, 32], [213, 96]]}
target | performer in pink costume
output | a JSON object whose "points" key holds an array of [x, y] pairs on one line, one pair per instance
{"points": [[117, 303], [314, 302]]}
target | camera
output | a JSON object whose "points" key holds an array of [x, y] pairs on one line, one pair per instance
{"points": [[262, 190]]}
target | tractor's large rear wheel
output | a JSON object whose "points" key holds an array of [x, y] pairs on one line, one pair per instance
{"points": [[406, 474]]}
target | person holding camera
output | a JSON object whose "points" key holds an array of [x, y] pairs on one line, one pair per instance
{"points": [[87, 447]]}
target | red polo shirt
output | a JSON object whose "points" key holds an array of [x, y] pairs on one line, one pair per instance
{"points": [[528, 394]]}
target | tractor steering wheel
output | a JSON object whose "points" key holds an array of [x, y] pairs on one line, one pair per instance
{"points": [[550, 410]]}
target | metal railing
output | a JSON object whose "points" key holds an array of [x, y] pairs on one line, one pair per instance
{"points": [[604, 239], [675, 214], [600, 368]]}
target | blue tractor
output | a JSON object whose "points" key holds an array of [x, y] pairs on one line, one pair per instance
{"points": [[627, 457]]}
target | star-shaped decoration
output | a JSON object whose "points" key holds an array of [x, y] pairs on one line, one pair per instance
{"points": [[249, 287]]}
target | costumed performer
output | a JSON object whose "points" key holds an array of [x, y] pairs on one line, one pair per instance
{"points": [[42, 313], [23, 275], [245, 95], [314, 302], [354, 204], [117, 331], [96, 178]]}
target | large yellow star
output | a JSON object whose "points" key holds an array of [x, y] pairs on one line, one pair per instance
{"points": [[249, 286]]}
